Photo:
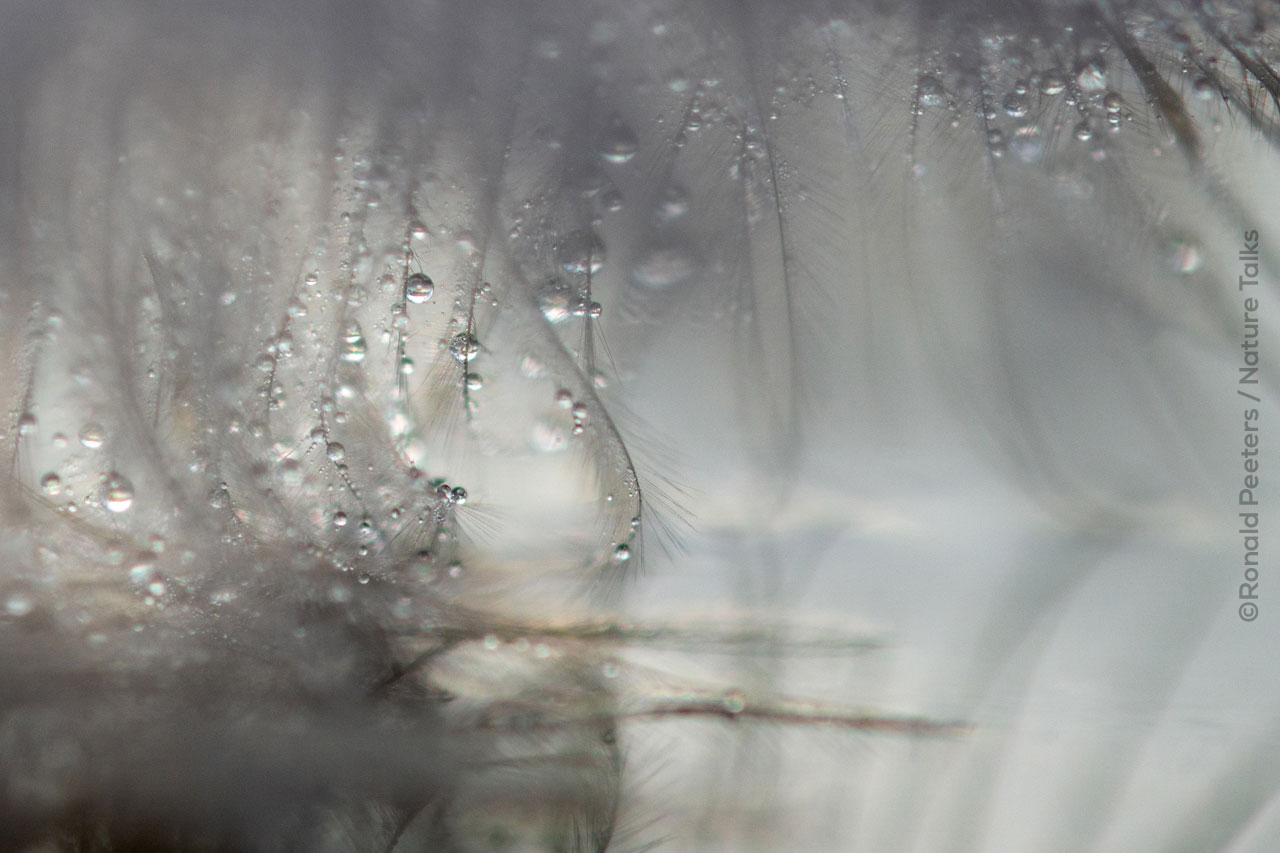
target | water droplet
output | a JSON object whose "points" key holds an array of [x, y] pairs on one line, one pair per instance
{"points": [[219, 498], [1091, 76], [357, 295], [554, 298], [929, 91], [581, 252], [354, 346], [618, 143], [735, 702], [1052, 82], [26, 424], [1083, 132], [117, 492], [336, 452], [660, 267], [18, 604], [419, 288], [464, 348], [311, 279], [611, 200], [622, 553], [1027, 145], [51, 484], [1112, 102], [339, 519], [1016, 105], [1183, 255], [673, 203], [92, 434]]}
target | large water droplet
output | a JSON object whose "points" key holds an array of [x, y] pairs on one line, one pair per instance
{"points": [[419, 288]]}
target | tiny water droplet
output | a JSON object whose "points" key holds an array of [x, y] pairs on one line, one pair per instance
{"points": [[354, 346], [618, 143], [1183, 256], [1016, 105], [929, 91], [26, 424], [673, 203], [661, 267], [1052, 82], [622, 553], [117, 492], [464, 348], [581, 252], [612, 199], [1091, 76], [18, 604], [51, 484], [1027, 144], [554, 298], [336, 452]]}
